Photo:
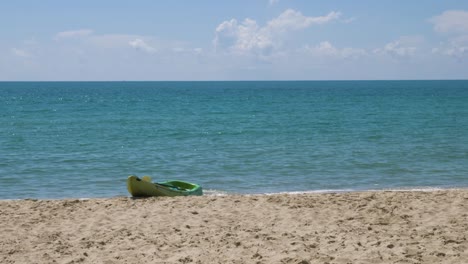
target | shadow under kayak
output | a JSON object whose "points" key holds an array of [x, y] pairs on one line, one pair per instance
{"points": [[144, 188]]}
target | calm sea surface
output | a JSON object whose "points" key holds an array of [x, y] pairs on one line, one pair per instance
{"points": [[82, 139]]}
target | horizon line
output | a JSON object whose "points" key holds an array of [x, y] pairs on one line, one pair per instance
{"points": [[292, 80]]}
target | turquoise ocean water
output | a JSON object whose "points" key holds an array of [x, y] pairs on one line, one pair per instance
{"points": [[82, 139]]}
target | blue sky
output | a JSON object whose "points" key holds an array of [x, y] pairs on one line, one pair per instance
{"points": [[233, 40]]}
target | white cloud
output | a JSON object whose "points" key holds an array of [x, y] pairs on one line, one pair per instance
{"points": [[451, 21], [325, 48], [20, 53], [73, 34], [456, 47], [396, 48], [112, 41], [139, 44], [405, 46], [88, 41], [295, 20], [455, 23], [184, 50], [272, 2], [249, 36], [456, 51], [243, 37]]}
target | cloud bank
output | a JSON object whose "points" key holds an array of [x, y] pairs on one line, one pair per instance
{"points": [[451, 21], [455, 24], [290, 45], [139, 44], [248, 36]]}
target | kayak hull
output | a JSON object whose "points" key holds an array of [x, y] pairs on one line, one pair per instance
{"points": [[141, 188]]}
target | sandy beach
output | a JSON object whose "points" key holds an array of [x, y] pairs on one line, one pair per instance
{"points": [[361, 227]]}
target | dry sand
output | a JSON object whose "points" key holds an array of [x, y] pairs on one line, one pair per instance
{"points": [[367, 227]]}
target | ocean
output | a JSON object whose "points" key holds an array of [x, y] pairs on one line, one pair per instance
{"points": [[83, 139]]}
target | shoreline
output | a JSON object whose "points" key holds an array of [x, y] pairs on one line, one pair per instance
{"points": [[349, 227], [216, 193]]}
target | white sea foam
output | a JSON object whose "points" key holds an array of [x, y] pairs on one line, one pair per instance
{"points": [[418, 189], [215, 193]]}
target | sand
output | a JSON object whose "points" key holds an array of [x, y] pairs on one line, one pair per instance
{"points": [[358, 227]]}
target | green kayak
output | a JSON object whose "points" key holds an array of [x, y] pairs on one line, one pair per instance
{"points": [[144, 187]]}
